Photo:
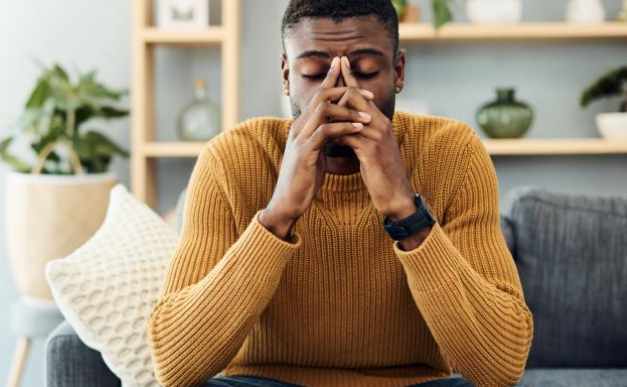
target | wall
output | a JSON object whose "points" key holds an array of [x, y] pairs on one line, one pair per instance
{"points": [[453, 78]]}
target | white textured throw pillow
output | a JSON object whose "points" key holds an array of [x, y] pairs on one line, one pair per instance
{"points": [[107, 287]]}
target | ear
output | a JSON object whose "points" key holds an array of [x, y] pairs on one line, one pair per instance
{"points": [[399, 69], [285, 71]]}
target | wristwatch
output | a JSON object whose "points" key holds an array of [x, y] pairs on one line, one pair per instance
{"points": [[422, 218]]}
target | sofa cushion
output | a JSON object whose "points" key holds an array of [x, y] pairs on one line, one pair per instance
{"points": [[107, 287], [571, 253], [574, 378], [70, 363]]}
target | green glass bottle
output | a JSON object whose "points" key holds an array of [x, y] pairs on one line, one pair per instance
{"points": [[505, 117], [200, 119]]}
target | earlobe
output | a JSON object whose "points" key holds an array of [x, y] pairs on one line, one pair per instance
{"points": [[399, 66], [285, 70], [399, 69]]}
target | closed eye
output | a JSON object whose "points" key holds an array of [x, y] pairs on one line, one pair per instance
{"points": [[366, 75]]}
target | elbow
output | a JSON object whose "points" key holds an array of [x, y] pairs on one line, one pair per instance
{"points": [[506, 368], [169, 370], [175, 365], [494, 376]]}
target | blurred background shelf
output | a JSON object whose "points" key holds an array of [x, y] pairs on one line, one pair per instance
{"points": [[496, 147], [581, 146], [424, 32], [173, 149], [146, 37], [212, 36]]}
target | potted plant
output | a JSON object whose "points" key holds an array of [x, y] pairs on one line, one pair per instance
{"points": [[58, 191], [612, 84], [441, 11]]}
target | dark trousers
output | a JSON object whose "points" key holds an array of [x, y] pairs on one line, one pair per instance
{"points": [[258, 381]]}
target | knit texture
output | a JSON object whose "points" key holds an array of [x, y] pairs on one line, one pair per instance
{"points": [[341, 304]]}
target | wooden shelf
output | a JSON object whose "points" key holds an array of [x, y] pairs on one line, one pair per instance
{"points": [[496, 147], [145, 38], [583, 146], [212, 36], [424, 32], [173, 149]]}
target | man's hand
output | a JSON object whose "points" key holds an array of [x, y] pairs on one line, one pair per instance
{"points": [[382, 168], [304, 164]]}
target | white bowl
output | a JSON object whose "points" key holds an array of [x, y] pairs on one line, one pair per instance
{"points": [[494, 11], [612, 126]]}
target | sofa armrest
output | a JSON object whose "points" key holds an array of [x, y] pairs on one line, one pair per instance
{"points": [[70, 363], [507, 227]]}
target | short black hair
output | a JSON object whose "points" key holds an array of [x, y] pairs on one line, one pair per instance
{"points": [[337, 10]]}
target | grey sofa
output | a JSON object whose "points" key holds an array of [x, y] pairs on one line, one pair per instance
{"points": [[571, 253]]}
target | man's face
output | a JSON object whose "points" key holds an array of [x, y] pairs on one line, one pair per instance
{"points": [[314, 42]]}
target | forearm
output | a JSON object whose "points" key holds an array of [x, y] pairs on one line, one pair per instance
{"points": [[485, 329], [197, 331]]}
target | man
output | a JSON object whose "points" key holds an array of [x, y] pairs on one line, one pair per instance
{"points": [[350, 246]]}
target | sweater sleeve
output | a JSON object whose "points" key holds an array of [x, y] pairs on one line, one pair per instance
{"points": [[216, 285], [466, 285]]}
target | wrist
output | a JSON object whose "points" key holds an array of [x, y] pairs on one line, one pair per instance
{"points": [[414, 241], [403, 211], [277, 223]]}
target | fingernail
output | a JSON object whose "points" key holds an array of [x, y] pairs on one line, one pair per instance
{"points": [[365, 116], [345, 59], [358, 125], [367, 94], [335, 61]]}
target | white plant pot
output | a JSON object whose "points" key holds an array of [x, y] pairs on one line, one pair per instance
{"points": [[612, 126], [494, 11], [585, 12], [48, 217]]}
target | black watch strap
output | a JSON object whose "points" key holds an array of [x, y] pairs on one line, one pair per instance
{"points": [[422, 218]]}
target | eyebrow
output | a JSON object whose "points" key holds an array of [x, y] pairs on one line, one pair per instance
{"points": [[354, 53]]}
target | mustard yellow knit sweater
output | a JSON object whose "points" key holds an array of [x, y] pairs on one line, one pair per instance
{"points": [[341, 304]]}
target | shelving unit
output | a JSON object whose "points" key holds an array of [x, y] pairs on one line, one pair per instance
{"points": [[145, 150], [583, 146], [423, 32]]}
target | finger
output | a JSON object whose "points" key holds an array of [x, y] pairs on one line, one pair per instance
{"points": [[327, 112], [323, 96], [332, 74], [326, 132], [347, 73], [356, 100], [334, 94], [357, 141]]}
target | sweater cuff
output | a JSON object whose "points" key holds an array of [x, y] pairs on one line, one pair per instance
{"points": [[262, 253], [432, 264]]}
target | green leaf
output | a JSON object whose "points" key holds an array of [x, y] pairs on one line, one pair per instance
{"points": [[40, 94], [102, 145], [109, 112], [13, 161], [58, 71], [27, 122], [45, 117], [441, 13], [609, 85]]}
